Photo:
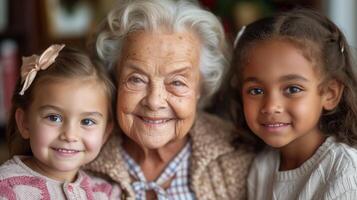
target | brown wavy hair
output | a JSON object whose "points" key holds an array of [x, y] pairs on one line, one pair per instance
{"points": [[321, 42], [70, 64]]}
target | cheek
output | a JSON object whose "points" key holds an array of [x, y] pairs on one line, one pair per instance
{"points": [[306, 109], [93, 140], [43, 135], [183, 106], [251, 111], [128, 100], [127, 103], [185, 111]]}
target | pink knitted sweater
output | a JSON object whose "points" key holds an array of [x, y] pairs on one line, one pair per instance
{"points": [[19, 182]]}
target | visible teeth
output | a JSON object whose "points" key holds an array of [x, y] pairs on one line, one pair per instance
{"points": [[66, 150], [275, 125], [155, 121]]}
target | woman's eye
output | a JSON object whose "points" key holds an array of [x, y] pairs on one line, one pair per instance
{"points": [[255, 91], [87, 122], [54, 118], [177, 83], [292, 90], [135, 80]]}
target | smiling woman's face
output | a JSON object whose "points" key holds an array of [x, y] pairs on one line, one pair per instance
{"points": [[158, 87]]}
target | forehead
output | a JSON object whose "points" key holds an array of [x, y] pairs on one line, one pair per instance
{"points": [[309, 49], [274, 58], [161, 48], [159, 42], [53, 89]]}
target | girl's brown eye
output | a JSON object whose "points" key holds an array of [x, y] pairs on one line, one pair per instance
{"points": [[292, 90], [255, 91]]}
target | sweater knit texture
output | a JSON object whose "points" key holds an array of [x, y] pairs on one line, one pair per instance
{"points": [[19, 182], [217, 169], [331, 173]]}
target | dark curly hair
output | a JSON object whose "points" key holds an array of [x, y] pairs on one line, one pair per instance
{"points": [[321, 41]]}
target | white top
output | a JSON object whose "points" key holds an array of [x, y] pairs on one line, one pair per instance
{"points": [[331, 173]]}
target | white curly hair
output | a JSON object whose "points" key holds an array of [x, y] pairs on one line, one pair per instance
{"points": [[152, 15]]}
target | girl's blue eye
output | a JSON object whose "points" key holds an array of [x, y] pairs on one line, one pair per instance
{"points": [[87, 122], [54, 118], [255, 91], [293, 90]]}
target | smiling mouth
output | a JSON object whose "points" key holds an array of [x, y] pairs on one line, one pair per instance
{"points": [[155, 121], [275, 125], [66, 151]]}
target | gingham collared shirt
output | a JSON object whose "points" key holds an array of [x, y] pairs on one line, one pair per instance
{"points": [[177, 170]]}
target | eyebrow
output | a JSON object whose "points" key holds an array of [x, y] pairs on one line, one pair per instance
{"points": [[182, 70], [48, 107], [288, 77], [133, 65], [92, 114], [291, 77]]}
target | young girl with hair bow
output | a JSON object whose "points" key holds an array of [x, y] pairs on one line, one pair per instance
{"points": [[60, 118]]}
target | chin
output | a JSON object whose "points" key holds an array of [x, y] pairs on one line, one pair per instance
{"points": [[275, 143], [155, 144]]}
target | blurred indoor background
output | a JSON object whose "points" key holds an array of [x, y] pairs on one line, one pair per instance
{"points": [[29, 26]]}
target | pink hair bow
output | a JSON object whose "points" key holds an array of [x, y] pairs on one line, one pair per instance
{"points": [[32, 64]]}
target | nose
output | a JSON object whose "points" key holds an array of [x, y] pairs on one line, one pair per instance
{"points": [[69, 133], [156, 97], [272, 104]]}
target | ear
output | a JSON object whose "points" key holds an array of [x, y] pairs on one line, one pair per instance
{"points": [[332, 94], [108, 131], [21, 123]]}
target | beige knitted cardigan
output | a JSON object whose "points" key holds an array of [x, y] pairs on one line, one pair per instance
{"points": [[217, 170]]}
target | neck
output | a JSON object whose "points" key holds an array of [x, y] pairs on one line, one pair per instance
{"points": [[153, 161], [37, 166], [300, 150]]}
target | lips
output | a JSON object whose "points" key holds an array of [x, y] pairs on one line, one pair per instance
{"points": [[275, 124], [66, 151], [154, 121]]}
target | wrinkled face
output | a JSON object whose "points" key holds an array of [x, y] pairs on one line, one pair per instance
{"points": [[281, 99], [158, 87], [66, 124]]}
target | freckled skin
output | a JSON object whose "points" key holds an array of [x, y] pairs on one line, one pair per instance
{"points": [[158, 79]]}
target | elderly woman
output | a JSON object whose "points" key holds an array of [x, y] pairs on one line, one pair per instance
{"points": [[168, 59]]}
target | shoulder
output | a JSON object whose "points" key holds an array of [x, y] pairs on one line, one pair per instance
{"points": [[266, 159], [263, 166], [209, 129], [339, 167], [102, 188], [215, 162], [340, 158], [18, 181], [11, 168], [213, 137]]}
